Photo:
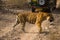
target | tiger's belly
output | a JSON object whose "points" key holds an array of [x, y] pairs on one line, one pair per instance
{"points": [[31, 21]]}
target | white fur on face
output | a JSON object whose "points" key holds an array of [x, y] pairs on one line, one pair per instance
{"points": [[48, 18]]}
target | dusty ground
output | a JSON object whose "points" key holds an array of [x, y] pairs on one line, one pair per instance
{"points": [[7, 32]]}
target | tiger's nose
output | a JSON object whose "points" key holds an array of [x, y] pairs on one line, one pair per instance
{"points": [[51, 20]]}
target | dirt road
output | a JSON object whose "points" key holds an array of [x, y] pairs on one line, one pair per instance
{"points": [[7, 20], [7, 32]]}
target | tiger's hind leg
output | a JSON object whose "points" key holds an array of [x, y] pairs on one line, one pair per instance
{"points": [[23, 26], [16, 24]]}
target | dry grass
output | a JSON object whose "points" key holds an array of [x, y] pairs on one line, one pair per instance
{"points": [[16, 3]]}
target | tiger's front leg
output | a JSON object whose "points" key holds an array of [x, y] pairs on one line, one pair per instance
{"points": [[39, 26], [39, 20]]}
